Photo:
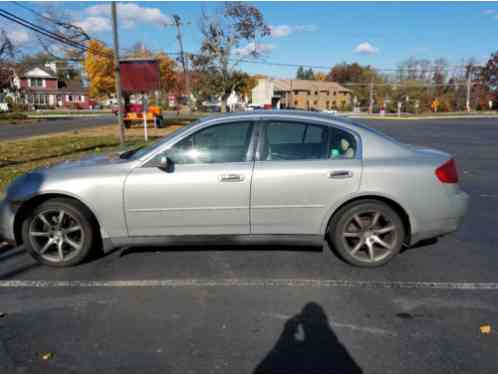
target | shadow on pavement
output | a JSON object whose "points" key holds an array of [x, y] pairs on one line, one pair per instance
{"points": [[270, 247], [14, 261], [308, 345], [7, 253]]}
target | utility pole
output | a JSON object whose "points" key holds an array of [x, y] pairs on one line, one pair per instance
{"points": [[117, 73], [371, 102], [469, 86], [178, 25]]}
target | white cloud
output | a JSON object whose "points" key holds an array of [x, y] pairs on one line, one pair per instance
{"points": [[131, 14], [365, 48], [252, 47], [279, 31], [94, 24], [489, 11], [305, 28], [18, 36]]}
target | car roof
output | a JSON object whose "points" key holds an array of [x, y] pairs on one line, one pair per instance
{"points": [[282, 112]]}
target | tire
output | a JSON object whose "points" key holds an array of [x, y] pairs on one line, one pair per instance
{"points": [[74, 237], [366, 233]]}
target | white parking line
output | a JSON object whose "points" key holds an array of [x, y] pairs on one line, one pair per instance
{"points": [[203, 283]]}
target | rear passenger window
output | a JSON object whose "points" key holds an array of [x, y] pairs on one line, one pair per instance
{"points": [[295, 141], [342, 145]]}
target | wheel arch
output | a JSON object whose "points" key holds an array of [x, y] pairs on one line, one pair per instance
{"points": [[38, 199], [405, 216]]}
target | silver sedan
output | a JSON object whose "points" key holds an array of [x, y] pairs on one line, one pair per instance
{"points": [[280, 176]]}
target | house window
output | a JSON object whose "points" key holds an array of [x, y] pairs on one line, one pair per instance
{"points": [[69, 98], [296, 102], [315, 102], [316, 92], [328, 104], [39, 99], [36, 82], [335, 93]]}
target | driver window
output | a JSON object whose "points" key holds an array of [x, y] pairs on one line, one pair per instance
{"points": [[227, 143]]}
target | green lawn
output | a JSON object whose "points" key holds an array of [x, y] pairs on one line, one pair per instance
{"points": [[19, 157]]}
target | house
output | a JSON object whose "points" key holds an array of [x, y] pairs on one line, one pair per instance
{"points": [[40, 87], [300, 94]]}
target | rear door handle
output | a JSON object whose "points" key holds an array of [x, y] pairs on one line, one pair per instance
{"points": [[340, 174], [231, 177]]}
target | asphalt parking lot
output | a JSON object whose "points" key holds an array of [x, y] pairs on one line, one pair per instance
{"points": [[261, 309], [53, 125]]}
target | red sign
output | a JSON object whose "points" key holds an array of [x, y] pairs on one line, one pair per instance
{"points": [[139, 75]]}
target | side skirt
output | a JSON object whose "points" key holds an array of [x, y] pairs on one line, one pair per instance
{"points": [[252, 239]]}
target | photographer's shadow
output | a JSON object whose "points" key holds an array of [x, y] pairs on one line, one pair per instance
{"points": [[308, 345]]}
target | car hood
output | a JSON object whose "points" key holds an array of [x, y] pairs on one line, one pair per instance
{"points": [[85, 162]]}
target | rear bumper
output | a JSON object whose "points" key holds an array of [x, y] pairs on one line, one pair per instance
{"points": [[453, 218], [6, 222]]}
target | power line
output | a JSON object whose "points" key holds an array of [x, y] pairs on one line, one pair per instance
{"points": [[41, 15], [63, 39], [58, 37]]}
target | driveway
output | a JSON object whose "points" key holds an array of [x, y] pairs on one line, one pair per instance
{"points": [[264, 309]]}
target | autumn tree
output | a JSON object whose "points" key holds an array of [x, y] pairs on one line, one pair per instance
{"points": [[99, 69], [223, 34], [167, 72], [358, 79], [320, 76]]}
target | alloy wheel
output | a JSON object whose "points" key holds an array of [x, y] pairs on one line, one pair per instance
{"points": [[56, 235], [370, 236]]}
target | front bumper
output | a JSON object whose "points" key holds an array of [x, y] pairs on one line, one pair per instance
{"points": [[7, 216]]}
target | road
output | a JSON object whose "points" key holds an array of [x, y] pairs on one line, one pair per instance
{"points": [[50, 126], [227, 309]]}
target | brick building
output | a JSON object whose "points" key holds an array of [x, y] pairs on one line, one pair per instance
{"points": [[300, 94]]}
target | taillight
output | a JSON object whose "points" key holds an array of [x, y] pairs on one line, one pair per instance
{"points": [[447, 173]]}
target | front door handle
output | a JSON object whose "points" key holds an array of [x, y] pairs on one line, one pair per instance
{"points": [[231, 177], [340, 174]]}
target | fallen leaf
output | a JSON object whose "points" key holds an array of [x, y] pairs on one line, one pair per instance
{"points": [[485, 329], [47, 356]]}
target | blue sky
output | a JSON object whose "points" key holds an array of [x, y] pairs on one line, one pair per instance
{"points": [[314, 33]]}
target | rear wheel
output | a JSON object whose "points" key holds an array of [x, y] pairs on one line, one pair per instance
{"points": [[59, 232], [367, 233]]}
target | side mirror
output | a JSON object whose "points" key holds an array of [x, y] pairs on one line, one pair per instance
{"points": [[166, 164]]}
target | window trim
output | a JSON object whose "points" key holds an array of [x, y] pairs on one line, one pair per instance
{"points": [[262, 139], [250, 152]]}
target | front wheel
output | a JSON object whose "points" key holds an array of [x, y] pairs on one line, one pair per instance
{"points": [[367, 233], [59, 232]]}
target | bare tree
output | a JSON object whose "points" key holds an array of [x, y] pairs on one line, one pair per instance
{"points": [[58, 22], [223, 33]]}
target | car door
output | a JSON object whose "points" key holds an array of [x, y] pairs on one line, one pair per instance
{"points": [[206, 192], [301, 171]]}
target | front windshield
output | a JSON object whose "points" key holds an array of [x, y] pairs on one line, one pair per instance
{"points": [[139, 153]]}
